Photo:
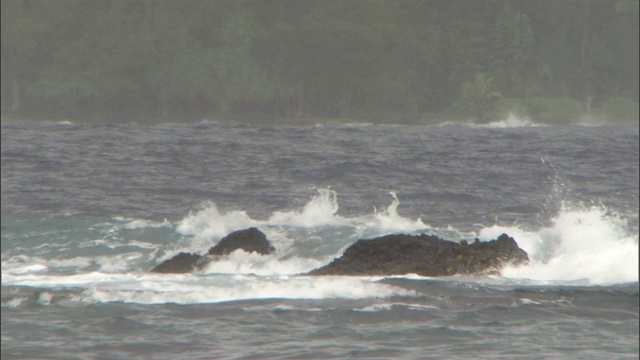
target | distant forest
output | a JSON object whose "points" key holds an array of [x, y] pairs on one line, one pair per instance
{"points": [[390, 60]]}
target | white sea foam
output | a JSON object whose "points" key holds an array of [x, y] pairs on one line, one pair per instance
{"points": [[525, 301], [585, 246], [512, 120], [118, 263], [181, 289], [25, 269], [46, 280], [320, 210], [23, 265], [375, 308], [240, 262], [580, 246], [14, 303], [389, 221], [141, 224], [44, 298], [390, 306], [316, 224], [209, 223]]}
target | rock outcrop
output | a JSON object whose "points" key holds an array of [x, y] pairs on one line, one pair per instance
{"points": [[181, 263], [248, 240], [424, 255]]}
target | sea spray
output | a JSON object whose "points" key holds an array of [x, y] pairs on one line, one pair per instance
{"points": [[512, 120], [240, 262], [209, 223], [320, 210], [304, 238], [389, 221], [583, 246]]}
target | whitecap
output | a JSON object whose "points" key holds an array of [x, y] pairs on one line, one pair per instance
{"points": [[582, 246]]}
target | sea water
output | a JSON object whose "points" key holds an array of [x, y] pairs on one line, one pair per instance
{"points": [[89, 209]]}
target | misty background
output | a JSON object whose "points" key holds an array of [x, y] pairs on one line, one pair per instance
{"points": [[400, 61]]}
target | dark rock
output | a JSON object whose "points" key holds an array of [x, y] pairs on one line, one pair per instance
{"points": [[181, 263], [424, 255], [249, 240]]}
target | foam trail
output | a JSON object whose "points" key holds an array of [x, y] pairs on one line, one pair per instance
{"points": [[141, 224], [248, 288], [581, 246], [194, 289]]}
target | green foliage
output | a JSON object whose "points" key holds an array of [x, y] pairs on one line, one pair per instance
{"points": [[373, 59], [512, 48], [555, 110], [620, 108], [478, 96], [480, 90]]}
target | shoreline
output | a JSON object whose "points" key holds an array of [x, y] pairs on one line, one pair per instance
{"points": [[257, 119]]}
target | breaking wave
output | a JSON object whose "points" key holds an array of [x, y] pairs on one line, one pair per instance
{"points": [[581, 246]]}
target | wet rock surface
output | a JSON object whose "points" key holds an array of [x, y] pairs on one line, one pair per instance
{"points": [[425, 255], [248, 240]]}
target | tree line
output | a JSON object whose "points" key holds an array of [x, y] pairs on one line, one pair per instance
{"points": [[369, 59]]}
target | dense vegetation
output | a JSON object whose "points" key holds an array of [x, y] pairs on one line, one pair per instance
{"points": [[391, 60]]}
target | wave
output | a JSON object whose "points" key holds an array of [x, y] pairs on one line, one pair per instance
{"points": [[189, 289], [316, 222], [512, 121], [581, 246]]}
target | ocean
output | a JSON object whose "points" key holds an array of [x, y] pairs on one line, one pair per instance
{"points": [[89, 209]]}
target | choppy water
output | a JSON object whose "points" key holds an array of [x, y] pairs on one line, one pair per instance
{"points": [[87, 210]]}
